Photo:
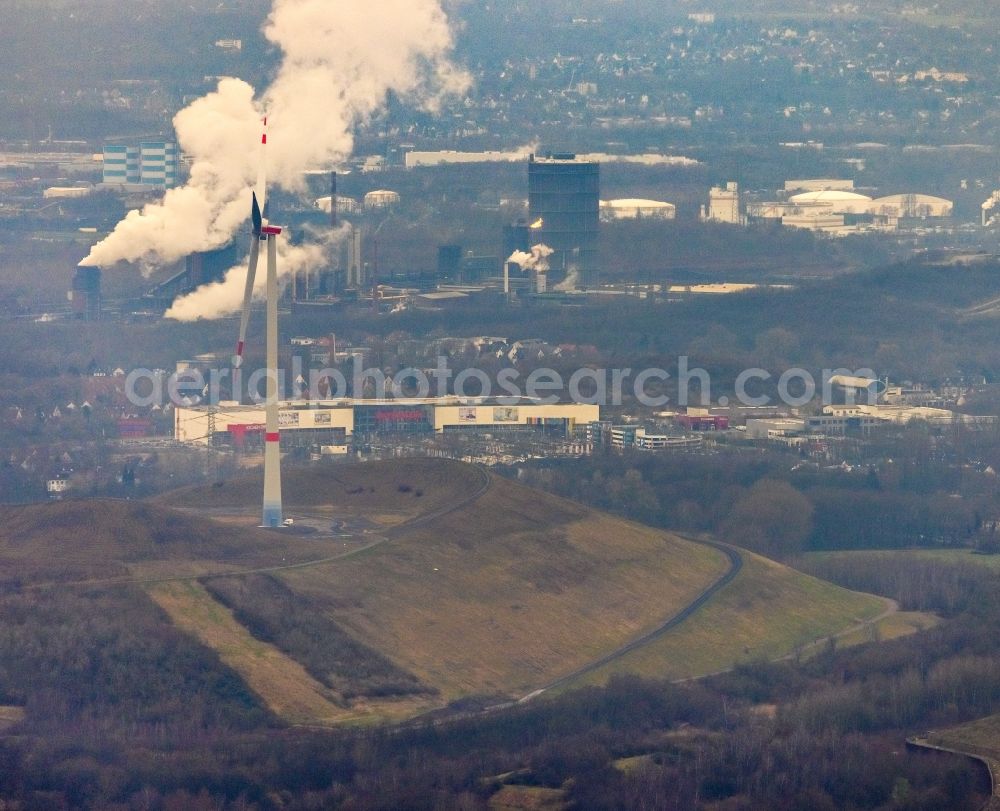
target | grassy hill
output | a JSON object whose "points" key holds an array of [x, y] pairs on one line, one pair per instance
{"points": [[769, 611], [106, 539], [458, 584]]}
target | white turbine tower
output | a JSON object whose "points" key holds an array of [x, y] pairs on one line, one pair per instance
{"points": [[264, 232]]}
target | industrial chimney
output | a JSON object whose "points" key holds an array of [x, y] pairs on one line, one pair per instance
{"points": [[333, 199]]}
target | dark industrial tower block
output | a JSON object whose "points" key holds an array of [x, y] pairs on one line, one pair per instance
{"points": [[564, 200]]}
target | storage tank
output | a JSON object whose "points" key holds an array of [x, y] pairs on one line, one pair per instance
{"points": [[381, 198], [631, 209]]}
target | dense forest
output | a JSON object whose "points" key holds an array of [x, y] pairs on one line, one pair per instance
{"points": [[911, 487]]}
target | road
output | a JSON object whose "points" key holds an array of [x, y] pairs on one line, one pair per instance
{"points": [[735, 565]]}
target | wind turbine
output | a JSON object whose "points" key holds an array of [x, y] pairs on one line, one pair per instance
{"points": [[264, 232]]}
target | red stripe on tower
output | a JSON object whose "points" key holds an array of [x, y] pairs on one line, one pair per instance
{"points": [[271, 437]]}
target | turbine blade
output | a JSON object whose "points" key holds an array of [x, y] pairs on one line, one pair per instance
{"points": [[256, 216], [247, 296]]}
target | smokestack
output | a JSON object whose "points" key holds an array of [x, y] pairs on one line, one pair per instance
{"points": [[333, 200]]}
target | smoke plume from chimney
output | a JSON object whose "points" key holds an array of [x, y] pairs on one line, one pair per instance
{"points": [[339, 62], [538, 259]]}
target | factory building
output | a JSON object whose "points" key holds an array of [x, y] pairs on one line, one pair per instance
{"points": [[723, 205], [515, 237], [852, 423], [201, 267], [333, 422], [149, 163], [564, 204], [85, 294]]}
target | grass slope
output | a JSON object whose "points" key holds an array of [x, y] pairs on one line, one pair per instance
{"points": [[401, 489], [76, 540], [981, 737], [767, 612], [280, 682], [514, 590], [466, 591], [948, 556]]}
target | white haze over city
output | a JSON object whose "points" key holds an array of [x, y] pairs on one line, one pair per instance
{"points": [[339, 61]]}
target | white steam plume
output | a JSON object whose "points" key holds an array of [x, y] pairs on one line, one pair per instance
{"points": [[340, 60], [571, 282], [225, 297], [538, 259]]}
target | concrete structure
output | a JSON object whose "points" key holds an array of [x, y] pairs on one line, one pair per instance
{"points": [[355, 277], [903, 414], [56, 487], [911, 396], [564, 205], [271, 509], [632, 209], [836, 202], [66, 192], [345, 205], [845, 421], [415, 159], [381, 198], [717, 288], [624, 436], [702, 422], [149, 163], [333, 422], [819, 184], [645, 441], [779, 427], [914, 206], [814, 221], [85, 294], [724, 205], [203, 267]]}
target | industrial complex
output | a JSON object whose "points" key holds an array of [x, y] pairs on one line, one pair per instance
{"points": [[331, 423]]}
